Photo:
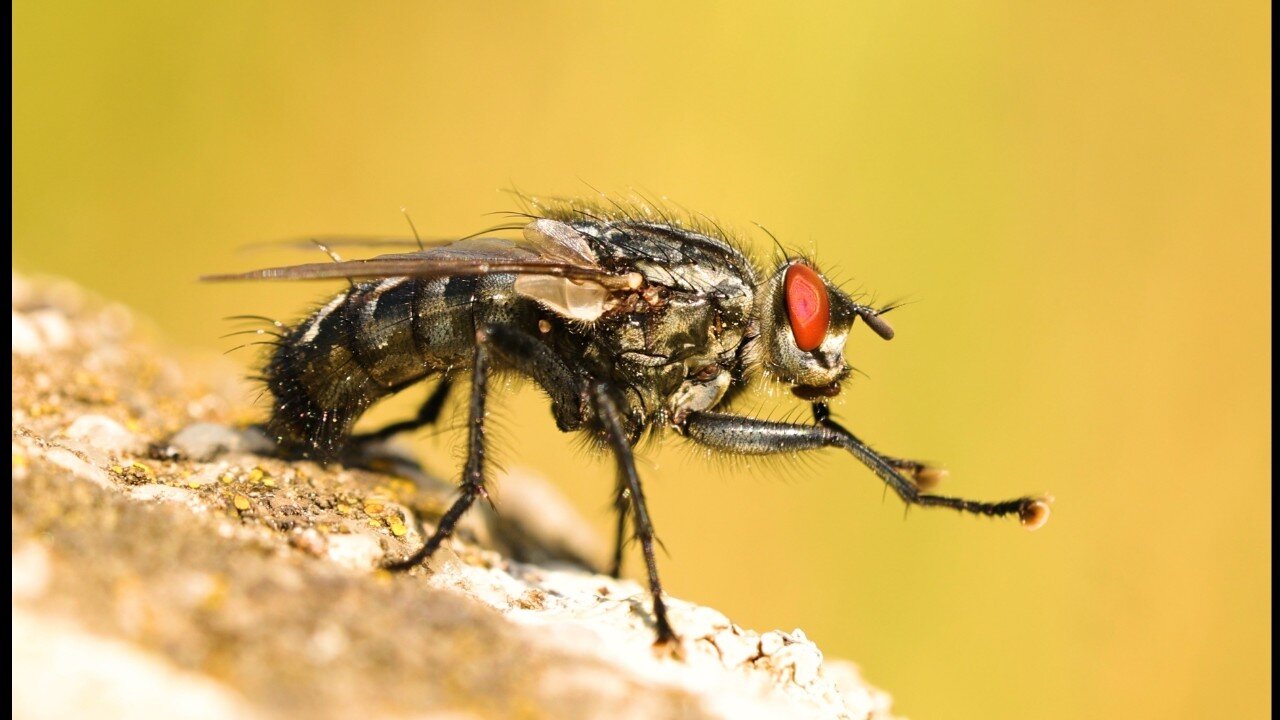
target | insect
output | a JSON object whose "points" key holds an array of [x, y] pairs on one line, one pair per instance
{"points": [[630, 320]]}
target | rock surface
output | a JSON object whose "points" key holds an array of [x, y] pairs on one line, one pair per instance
{"points": [[163, 565]]}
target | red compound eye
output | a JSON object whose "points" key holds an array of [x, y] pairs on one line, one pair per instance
{"points": [[807, 306]]}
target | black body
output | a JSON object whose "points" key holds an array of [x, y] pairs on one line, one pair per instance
{"points": [[688, 322], [628, 322]]}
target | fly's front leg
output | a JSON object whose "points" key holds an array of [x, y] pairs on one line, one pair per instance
{"points": [[473, 471], [427, 415], [750, 436], [610, 420], [926, 476]]}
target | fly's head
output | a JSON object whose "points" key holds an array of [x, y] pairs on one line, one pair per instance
{"points": [[804, 323]]}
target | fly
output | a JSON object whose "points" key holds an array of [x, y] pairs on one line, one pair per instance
{"points": [[630, 320]]}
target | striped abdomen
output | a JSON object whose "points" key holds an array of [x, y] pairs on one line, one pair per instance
{"points": [[368, 342]]}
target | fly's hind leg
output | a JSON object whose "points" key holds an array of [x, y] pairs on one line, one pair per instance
{"points": [[473, 472], [427, 415], [610, 420], [522, 353]]}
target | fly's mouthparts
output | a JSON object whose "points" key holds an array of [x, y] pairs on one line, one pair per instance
{"points": [[816, 394]]}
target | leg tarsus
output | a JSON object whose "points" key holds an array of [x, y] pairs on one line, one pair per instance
{"points": [[925, 476], [667, 641]]}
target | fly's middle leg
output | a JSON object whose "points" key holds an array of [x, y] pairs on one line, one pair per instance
{"points": [[610, 420], [473, 472]]}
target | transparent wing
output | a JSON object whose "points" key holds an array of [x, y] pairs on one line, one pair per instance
{"points": [[551, 249], [345, 241]]}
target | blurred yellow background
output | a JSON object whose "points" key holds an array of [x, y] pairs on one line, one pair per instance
{"points": [[1074, 194]]}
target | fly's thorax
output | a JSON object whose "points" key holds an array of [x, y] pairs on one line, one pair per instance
{"points": [[673, 257], [803, 324], [674, 350]]}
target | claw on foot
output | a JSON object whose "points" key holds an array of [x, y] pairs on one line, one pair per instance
{"points": [[669, 645]]}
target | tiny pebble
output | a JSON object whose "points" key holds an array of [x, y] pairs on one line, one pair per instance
{"points": [[205, 441], [103, 433], [26, 339], [359, 550], [53, 328], [68, 460]]}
